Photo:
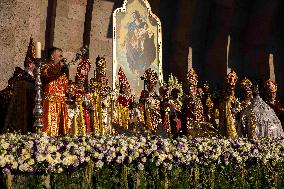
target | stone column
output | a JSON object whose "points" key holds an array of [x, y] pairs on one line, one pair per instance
{"points": [[217, 42], [256, 64], [69, 28], [277, 48], [199, 35], [181, 39], [100, 42]]}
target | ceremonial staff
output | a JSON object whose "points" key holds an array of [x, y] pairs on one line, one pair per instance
{"points": [[144, 100], [82, 52]]}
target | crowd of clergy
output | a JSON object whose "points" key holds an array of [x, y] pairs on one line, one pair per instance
{"points": [[89, 105]]}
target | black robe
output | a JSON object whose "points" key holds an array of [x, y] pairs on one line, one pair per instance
{"points": [[5, 97], [7, 94], [20, 113]]}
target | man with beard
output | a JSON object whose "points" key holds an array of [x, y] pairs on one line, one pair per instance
{"points": [[271, 99], [55, 83]]}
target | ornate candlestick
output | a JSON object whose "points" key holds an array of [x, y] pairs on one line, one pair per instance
{"points": [[144, 100], [38, 110]]}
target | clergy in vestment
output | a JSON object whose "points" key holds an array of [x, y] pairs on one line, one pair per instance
{"points": [[20, 112], [55, 83]]}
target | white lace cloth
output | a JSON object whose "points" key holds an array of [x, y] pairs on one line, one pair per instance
{"points": [[267, 123]]}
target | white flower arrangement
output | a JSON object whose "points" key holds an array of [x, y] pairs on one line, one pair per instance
{"points": [[28, 153]]}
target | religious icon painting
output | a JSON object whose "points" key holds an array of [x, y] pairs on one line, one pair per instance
{"points": [[137, 43]]}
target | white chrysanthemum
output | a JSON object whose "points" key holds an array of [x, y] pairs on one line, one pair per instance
{"points": [[158, 163], [49, 159], [59, 170], [76, 162], [66, 160], [166, 149], [140, 166], [24, 167], [135, 154], [2, 162], [5, 145], [99, 164], [130, 159], [154, 147], [14, 165], [31, 162], [51, 149], [40, 158], [29, 144], [9, 159], [161, 157], [170, 166], [87, 159], [130, 146], [144, 159]]}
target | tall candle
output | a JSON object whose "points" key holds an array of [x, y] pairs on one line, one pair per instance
{"points": [[189, 58], [228, 49], [38, 50], [271, 67]]}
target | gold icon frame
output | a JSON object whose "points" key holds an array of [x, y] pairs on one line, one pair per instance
{"points": [[122, 19]]}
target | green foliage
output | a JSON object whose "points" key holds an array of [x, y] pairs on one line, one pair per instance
{"points": [[193, 176]]}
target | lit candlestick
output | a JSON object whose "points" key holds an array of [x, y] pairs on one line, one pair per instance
{"points": [[38, 50], [189, 58], [271, 67], [228, 50]]}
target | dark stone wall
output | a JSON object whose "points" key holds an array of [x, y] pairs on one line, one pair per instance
{"points": [[255, 31]]}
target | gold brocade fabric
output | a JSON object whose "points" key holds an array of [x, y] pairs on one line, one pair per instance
{"points": [[55, 113], [201, 129], [227, 123], [245, 103], [79, 126], [102, 114], [193, 109], [153, 116], [251, 126], [122, 113], [97, 113], [196, 126], [208, 109], [176, 104], [55, 120]]}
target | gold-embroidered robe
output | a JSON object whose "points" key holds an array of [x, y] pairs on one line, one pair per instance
{"points": [[227, 116], [55, 114]]}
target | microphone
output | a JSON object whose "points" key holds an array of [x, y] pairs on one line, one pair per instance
{"points": [[64, 60], [83, 50], [65, 67]]}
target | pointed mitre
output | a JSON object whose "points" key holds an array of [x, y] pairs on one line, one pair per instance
{"points": [[30, 55]]}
